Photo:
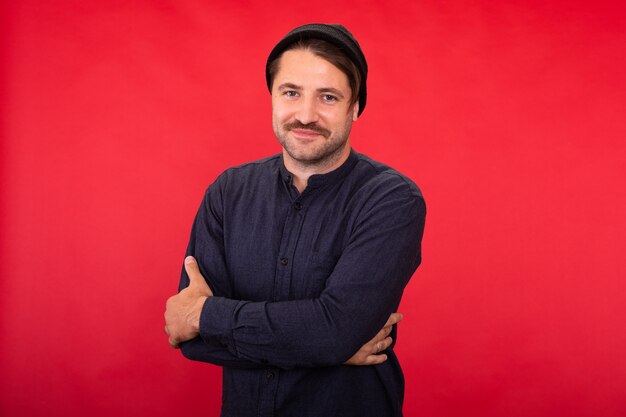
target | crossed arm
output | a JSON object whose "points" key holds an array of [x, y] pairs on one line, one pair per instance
{"points": [[183, 310], [350, 322]]}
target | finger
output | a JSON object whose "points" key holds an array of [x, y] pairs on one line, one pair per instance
{"points": [[375, 359], [381, 345], [387, 330], [384, 332], [395, 318], [173, 343], [195, 276], [386, 343]]}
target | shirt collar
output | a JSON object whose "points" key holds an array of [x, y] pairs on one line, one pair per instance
{"points": [[318, 180]]}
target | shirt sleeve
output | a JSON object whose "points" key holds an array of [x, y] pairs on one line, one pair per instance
{"points": [[209, 252], [364, 288]]}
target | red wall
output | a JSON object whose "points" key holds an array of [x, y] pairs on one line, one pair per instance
{"points": [[510, 115]]}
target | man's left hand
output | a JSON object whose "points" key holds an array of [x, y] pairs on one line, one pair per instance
{"points": [[182, 311], [370, 353]]}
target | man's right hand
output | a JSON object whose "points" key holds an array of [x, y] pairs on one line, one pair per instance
{"points": [[369, 353], [183, 310]]}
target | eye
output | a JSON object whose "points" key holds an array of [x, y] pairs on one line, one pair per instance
{"points": [[291, 93], [329, 98]]}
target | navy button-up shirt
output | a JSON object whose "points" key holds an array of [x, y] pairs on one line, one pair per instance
{"points": [[301, 281]]}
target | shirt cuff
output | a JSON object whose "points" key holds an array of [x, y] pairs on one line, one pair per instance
{"points": [[216, 322]]}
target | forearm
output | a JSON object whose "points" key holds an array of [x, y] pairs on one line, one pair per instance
{"points": [[287, 334], [255, 346], [197, 350]]}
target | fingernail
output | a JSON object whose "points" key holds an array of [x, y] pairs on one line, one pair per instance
{"points": [[189, 260]]}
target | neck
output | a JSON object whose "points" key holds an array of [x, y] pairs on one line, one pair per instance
{"points": [[302, 170]]}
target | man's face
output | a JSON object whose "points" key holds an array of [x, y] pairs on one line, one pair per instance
{"points": [[311, 110]]}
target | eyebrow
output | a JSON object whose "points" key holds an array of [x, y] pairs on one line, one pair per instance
{"points": [[292, 86], [331, 90], [289, 86]]}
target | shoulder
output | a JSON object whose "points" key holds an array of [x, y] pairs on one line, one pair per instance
{"points": [[242, 180], [385, 198], [380, 178], [249, 172], [269, 164]]}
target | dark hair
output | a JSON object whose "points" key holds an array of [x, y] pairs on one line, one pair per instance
{"points": [[330, 53]]}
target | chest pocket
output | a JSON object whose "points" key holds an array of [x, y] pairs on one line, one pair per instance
{"points": [[311, 280]]}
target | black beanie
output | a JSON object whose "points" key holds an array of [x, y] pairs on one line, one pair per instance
{"points": [[335, 34]]}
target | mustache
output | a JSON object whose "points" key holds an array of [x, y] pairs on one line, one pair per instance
{"points": [[310, 126]]}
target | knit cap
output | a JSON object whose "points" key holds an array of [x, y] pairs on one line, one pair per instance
{"points": [[333, 33]]}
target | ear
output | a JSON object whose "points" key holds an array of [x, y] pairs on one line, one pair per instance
{"points": [[355, 111]]}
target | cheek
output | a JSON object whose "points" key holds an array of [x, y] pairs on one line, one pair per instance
{"points": [[280, 113], [334, 119], [278, 120]]}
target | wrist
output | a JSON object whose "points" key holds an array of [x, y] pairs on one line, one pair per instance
{"points": [[194, 317]]}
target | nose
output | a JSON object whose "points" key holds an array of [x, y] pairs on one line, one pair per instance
{"points": [[307, 111]]}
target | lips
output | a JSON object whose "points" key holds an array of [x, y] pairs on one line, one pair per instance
{"points": [[306, 133]]}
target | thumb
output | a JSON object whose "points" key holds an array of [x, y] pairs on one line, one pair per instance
{"points": [[193, 271]]}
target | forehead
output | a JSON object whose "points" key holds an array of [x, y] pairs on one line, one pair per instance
{"points": [[304, 68]]}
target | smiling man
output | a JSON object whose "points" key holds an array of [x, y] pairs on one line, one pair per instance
{"points": [[297, 262]]}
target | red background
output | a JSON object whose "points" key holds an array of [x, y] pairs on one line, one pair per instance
{"points": [[116, 115]]}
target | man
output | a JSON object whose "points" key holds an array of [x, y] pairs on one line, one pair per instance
{"points": [[306, 253]]}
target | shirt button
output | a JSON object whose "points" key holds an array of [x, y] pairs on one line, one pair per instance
{"points": [[284, 261], [298, 205], [269, 375]]}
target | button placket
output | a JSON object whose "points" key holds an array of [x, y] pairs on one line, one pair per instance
{"points": [[268, 393], [289, 240]]}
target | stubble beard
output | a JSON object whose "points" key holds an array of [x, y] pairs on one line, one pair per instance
{"points": [[322, 153]]}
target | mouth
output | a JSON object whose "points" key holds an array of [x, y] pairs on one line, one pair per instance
{"points": [[306, 133]]}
